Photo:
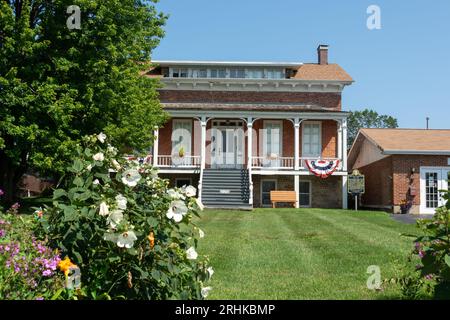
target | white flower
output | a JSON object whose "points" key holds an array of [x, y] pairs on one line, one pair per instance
{"points": [[126, 239], [205, 291], [121, 202], [201, 233], [131, 177], [199, 204], [101, 137], [177, 210], [95, 182], [175, 194], [210, 271], [98, 157], [104, 210], [191, 254], [116, 164], [89, 167], [190, 191], [115, 218], [112, 150]]}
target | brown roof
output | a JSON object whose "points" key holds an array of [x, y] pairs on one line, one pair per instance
{"points": [[322, 72], [409, 140]]}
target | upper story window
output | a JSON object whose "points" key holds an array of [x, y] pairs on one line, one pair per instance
{"points": [[225, 73], [180, 73], [275, 74], [255, 73], [237, 73], [199, 73], [218, 73]]}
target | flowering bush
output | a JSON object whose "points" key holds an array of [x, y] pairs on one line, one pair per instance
{"points": [[131, 236], [28, 267], [433, 248], [431, 257]]}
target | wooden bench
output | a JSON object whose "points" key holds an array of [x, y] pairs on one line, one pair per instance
{"points": [[283, 196]]}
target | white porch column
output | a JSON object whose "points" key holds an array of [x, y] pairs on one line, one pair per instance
{"points": [[203, 142], [155, 147], [250, 158], [296, 146], [339, 134], [344, 145], [344, 193], [297, 190], [202, 155]]}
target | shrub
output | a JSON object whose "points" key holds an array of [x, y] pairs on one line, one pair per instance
{"points": [[131, 236], [28, 267], [431, 257]]}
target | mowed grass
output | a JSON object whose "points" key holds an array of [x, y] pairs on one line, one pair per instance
{"points": [[302, 253]]}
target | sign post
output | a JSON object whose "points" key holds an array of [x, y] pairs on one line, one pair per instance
{"points": [[356, 185]]}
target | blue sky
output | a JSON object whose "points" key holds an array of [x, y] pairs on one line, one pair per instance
{"points": [[402, 70]]}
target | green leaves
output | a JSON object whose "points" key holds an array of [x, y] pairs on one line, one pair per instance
{"points": [[447, 260]]}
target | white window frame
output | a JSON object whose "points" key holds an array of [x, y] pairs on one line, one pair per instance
{"points": [[310, 193], [261, 191], [190, 131], [320, 138], [178, 179], [264, 140]]}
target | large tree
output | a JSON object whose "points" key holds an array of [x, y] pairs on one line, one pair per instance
{"points": [[58, 84], [367, 119]]}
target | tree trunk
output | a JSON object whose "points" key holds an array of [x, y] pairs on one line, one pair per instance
{"points": [[10, 176]]}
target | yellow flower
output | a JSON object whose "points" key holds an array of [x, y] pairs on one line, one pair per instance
{"points": [[151, 239], [64, 266]]}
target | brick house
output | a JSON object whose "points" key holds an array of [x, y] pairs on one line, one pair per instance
{"points": [[402, 165], [241, 129]]}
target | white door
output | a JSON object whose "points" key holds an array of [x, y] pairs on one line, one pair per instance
{"points": [[181, 141], [432, 180], [227, 147], [272, 139]]}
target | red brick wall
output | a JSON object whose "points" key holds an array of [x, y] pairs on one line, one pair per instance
{"points": [[288, 139], [378, 178], [329, 139], [402, 177], [327, 100], [165, 139]]}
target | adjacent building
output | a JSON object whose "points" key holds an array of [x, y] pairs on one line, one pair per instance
{"points": [[402, 167], [241, 129]]}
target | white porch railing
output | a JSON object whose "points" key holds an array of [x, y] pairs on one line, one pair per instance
{"points": [[273, 163], [179, 162], [284, 163]]}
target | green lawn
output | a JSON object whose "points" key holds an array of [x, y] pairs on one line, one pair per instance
{"points": [[301, 253]]}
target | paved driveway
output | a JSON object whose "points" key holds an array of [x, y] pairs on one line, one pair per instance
{"points": [[410, 218]]}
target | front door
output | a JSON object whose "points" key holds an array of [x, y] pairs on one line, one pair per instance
{"points": [[432, 181], [227, 145]]}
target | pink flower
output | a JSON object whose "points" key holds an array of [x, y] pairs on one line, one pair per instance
{"points": [[1, 192]]}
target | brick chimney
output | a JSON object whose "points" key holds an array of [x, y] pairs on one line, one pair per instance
{"points": [[322, 52]]}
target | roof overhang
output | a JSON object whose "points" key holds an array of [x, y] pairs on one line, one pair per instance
{"points": [[417, 152], [169, 63]]}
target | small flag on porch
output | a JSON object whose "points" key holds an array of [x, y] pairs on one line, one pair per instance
{"points": [[322, 168]]}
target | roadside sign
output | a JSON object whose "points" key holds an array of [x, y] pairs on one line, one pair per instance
{"points": [[356, 183]]}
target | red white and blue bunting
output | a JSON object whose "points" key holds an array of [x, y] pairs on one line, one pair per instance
{"points": [[322, 168]]}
